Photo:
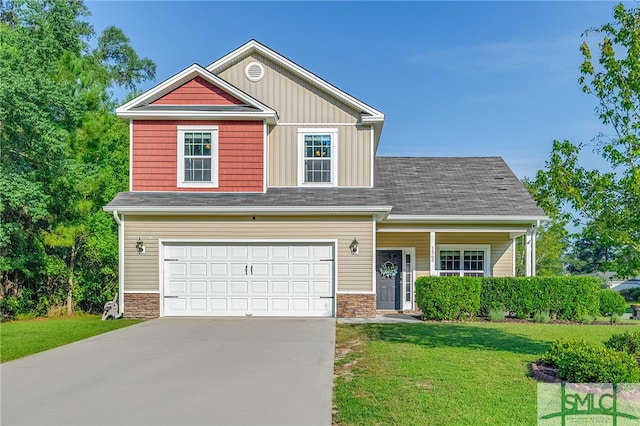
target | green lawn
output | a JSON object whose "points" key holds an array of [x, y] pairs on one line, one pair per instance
{"points": [[444, 373], [22, 338]]}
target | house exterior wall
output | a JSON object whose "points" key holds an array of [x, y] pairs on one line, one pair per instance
{"points": [[354, 155], [302, 105], [240, 163], [500, 242], [197, 92], [354, 272], [295, 99]]}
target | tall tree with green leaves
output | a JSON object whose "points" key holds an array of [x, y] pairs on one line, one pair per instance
{"points": [[63, 153], [605, 202]]}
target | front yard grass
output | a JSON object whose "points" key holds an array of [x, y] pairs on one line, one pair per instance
{"points": [[22, 338], [444, 373]]}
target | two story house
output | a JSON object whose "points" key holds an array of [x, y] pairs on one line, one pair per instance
{"points": [[255, 190]]}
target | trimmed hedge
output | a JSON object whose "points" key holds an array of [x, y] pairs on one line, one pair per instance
{"points": [[584, 362], [448, 298], [625, 342], [568, 298]]}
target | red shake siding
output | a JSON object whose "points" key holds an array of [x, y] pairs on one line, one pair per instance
{"points": [[240, 162], [197, 92]]}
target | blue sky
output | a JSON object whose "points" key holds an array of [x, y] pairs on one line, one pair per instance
{"points": [[453, 78]]}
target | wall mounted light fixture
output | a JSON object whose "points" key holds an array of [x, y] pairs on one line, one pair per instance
{"points": [[354, 246], [140, 246]]}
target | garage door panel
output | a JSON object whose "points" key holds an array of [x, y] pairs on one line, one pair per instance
{"points": [[241, 287], [259, 269], [280, 287], [198, 269], [259, 305], [322, 269], [280, 252], [239, 269], [219, 287], [301, 252], [321, 252], [196, 287], [219, 269], [239, 252], [301, 287], [177, 287], [280, 269], [198, 252], [300, 269], [218, 252], [259, 287], [239, 280], [178, 269], [198, 304]]}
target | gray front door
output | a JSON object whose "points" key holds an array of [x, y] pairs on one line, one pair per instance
{"points": [[389, 279]]}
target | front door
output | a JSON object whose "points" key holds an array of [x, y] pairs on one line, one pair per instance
{"points": [[388, 279]]}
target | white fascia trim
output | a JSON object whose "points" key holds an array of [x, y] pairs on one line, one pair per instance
{"points": [[181, 78], [355, 292], [373, 114], [463, 218], [364, 210], [142, 292], [517, 230], [271, 118]]}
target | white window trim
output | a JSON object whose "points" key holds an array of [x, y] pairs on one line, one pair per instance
{"points": [[215, 155], [461, 247], [334, 155]]}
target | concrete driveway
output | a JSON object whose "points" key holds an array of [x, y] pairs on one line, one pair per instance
{"points": [[179, 371]]}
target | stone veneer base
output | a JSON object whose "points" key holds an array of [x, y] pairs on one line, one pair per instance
{"points": [[141, 305], [356, 305], [147, 305]]}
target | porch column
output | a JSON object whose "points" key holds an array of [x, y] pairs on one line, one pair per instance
{"points": [[528, 253], [432, 253], [534, 231]]}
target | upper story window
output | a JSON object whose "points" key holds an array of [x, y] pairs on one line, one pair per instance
{"points": [[197, 157], [317, 152]]}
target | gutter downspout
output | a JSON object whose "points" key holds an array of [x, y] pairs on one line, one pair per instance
{"points": [[120, 223]]}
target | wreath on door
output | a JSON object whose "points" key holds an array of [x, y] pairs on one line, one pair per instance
{"points": [[389, 269]]}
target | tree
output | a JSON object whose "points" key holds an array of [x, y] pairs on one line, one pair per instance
{"points": [[63, 153], [606, 202]]}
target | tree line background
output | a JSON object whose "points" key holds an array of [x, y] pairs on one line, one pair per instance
{"points": [[64, 155]]}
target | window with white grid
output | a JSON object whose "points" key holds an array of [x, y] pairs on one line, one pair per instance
{"points": [[197, 157], [464, 262], [317, 156]]}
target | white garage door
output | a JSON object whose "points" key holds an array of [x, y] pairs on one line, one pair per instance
{"points": [[248, 279]]}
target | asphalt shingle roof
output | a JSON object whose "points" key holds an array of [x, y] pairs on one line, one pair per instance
{"points": [[412, 185], [453, 186]]}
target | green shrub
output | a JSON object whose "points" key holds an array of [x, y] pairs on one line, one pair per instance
{"points": [[579, 361], [563, 297], [611, 303], [448, 298], [634, 294], [496, 314], [625, 342], [542, 317]]}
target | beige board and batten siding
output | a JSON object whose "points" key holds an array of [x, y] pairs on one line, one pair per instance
{"points": [[295, 99], [500, 242], [300, 104], [141, 270], [354, 156]]}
